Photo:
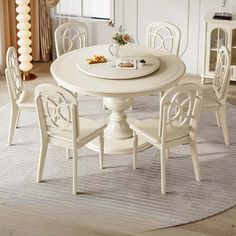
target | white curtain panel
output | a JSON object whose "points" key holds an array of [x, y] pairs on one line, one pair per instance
{"points": [[2, 62], [52, 3]]}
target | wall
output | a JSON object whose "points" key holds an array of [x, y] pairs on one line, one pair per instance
{"points": [[188, 15]]}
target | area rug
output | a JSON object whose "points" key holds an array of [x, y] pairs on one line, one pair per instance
{"points": [[119, 198]]}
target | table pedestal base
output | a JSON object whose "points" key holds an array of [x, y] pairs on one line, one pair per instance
{"points": [[118, 137]]}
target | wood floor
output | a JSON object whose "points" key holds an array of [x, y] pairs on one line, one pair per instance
{"points": [[22, 222]]}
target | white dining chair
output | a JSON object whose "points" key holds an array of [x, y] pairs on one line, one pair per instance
{"points": [[177, 124], [70, 36], [60, 125], [215, 96], [21, 99], [163, 36]]}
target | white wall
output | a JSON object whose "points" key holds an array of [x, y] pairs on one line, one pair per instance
{"points": [[135, 15]]}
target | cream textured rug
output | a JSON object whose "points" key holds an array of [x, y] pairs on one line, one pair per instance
{"points": [[119, 198]]}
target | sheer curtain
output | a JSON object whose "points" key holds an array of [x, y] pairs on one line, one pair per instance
{"points": [[7, 29], [1, 38], [40, 29]]}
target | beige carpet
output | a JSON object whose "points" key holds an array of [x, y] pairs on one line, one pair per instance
{"points": [[119, 198]]}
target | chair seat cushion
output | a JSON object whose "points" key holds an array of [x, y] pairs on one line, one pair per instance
{"points": [[26, 99], [90, 127], [88, 130], [149, 129], [209, 99]]}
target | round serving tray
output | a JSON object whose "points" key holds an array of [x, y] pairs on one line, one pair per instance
{"points": [[107, 69]]}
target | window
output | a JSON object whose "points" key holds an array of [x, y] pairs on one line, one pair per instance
{"points": [[67, 7], [91, 9]]}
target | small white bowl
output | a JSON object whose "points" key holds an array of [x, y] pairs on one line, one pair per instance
{"points": [[141, 63]]}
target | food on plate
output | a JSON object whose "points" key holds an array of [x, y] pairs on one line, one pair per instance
{"points": [[96, 59], [125, 64]]}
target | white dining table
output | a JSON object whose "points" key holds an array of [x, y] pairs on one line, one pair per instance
{"points": [[118, 87]]}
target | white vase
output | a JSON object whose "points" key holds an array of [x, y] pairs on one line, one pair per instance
{"points": [[114, 49]]}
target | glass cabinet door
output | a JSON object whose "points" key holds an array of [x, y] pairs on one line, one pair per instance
{"points": [[218, 39], [233, 51]]}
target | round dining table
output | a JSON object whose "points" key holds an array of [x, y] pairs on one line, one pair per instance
{"points": [[117, 86]]}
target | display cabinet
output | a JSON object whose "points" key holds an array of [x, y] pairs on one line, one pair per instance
{"points": [[217, 34]]}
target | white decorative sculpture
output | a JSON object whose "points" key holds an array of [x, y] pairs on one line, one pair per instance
{"points": [[24, 34]]}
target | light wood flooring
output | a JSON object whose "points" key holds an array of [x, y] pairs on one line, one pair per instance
{"points": [[22, 222]]}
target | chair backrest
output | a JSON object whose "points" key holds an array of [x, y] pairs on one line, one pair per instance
{"points": [[70, 36], [165, 36], [13, 75], [180, 108], [222, 74], [57, 111]]}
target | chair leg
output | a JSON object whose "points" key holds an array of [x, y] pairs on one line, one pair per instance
{"points": [[132, 105], [196, 167], [203, 80], [101, 150], [163, 169], [223, 122], [42, 158], [68, 154], [17, 121], [104, 107], [217, 119], [12, 128], [160, 95], [135, 149], [167, 153], [75, 160]]}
